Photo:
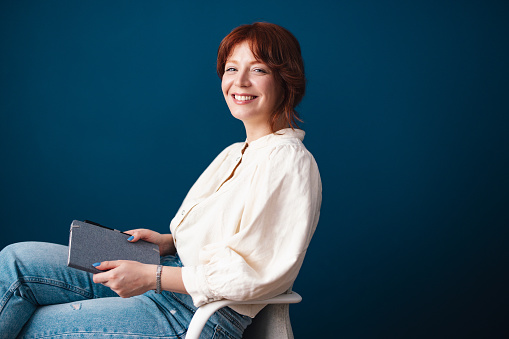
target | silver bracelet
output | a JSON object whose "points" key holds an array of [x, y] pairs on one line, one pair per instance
{"points": [[158, 278]]}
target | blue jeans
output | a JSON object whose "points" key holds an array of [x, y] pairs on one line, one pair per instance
{"points": [[40, 297]]}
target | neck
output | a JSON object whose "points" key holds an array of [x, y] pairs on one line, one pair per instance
{"points": [[254, 132]]}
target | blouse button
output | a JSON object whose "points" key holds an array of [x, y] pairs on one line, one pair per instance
{"points": [[183, 212], [237, 159]]}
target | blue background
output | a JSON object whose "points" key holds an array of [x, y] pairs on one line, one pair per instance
{"points": [[111, 109]]}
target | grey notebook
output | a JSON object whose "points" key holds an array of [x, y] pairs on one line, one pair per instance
{"points": [[90, 243]]}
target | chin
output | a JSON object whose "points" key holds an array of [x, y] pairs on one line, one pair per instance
{"points": [[244, 116]]}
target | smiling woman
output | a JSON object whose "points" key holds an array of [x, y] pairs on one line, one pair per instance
{"points": [[251, 92], [270, 50], [241, 233]]}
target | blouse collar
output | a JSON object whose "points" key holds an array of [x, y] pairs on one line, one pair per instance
{"points": [[268, 139]]}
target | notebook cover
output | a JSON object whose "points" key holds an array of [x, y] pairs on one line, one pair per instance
{"points": [[89, 244]]}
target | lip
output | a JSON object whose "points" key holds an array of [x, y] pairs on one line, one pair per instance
{"points": [[243, 102]]}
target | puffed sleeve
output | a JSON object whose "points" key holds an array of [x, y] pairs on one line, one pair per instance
{"points": [[264, 257]]}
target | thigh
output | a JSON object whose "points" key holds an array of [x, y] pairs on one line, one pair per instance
{"points": [[136, 317], [40, 271]]}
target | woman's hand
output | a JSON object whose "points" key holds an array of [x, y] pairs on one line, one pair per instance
{"points": [[127, 278], [164, 241]]}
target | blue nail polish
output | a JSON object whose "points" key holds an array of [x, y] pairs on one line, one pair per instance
{"points": [[130, 238], [96, 264]]}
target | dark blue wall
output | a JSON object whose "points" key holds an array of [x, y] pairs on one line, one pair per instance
{"points": [[111, 109]]}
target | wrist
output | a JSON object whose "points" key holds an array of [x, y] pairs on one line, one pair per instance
{"points": [[150, 277]]}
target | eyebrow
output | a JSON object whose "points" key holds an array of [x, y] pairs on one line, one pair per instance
{"points": [[251, 63]]}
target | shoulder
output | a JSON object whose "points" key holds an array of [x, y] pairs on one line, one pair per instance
{"points": [[286, 162], [290, 166], [291, 149], [290, 160]]}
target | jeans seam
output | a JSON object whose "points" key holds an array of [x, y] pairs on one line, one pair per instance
{"points": [[227, 315], [136, 335], [5, 299], [219, 330], [23, 280], [182, 303], [164, 311], [58, 283]]}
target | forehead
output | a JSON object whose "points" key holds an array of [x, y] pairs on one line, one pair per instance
{"points": [[242, 51]]}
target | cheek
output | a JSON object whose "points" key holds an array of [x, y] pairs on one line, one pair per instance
{"points": [[273, 90], [225, 85]]}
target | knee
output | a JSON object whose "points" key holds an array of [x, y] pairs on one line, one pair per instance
{"points": [[13, 251], [21, 252]]}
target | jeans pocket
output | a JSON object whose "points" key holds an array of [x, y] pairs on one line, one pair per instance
{"points": [[220, 333]]}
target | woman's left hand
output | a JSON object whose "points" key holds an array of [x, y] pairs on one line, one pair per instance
{"points": [[127, 278]]}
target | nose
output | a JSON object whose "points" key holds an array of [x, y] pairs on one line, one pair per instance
{"points": [[242, 79]]}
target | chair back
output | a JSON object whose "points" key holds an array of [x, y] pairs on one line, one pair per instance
{"points": [[272, 322]]}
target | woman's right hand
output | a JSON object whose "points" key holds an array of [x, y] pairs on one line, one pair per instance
{"points": [[164, 241]]}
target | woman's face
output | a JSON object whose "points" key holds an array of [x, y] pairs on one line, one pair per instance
{"points": [[249, 87]]}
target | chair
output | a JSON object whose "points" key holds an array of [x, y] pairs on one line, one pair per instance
{"points": [[272, 322]]}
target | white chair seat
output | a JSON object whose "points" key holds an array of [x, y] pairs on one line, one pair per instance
{"points": [[272, 322]]}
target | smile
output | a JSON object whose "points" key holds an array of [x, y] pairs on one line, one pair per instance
{"points": [[243, 98]]}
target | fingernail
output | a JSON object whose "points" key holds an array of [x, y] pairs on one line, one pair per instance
{"points": [[130, 238], [96, 264]]}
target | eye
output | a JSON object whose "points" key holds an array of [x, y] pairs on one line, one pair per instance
{"points": [[230, 69], [260, 70]]}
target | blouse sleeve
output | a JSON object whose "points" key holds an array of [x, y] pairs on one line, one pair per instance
{"points": [[280, 216]]}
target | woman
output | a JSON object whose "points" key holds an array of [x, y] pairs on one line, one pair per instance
{"points": [[241, 232]]}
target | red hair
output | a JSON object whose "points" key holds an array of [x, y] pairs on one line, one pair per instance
{"points": [[276, 47]]}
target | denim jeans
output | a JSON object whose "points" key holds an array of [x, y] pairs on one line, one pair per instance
{"points": [[40, 297]]}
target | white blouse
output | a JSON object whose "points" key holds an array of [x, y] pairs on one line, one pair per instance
{"points": [[245, 225]]}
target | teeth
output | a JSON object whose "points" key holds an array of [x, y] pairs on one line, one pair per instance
{"points": [[244, 97]]}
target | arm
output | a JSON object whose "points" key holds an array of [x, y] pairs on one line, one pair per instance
{"points": [[129, 278]]}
